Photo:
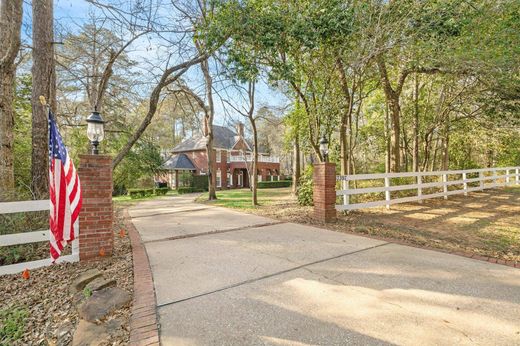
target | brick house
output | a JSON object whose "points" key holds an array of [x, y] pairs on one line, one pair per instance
{"points": [[233, 153]]}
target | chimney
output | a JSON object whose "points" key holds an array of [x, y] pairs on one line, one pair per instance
{"points": [[240, 129]]}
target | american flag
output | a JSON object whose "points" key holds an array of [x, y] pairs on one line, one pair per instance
{"points": [[64, 191]]}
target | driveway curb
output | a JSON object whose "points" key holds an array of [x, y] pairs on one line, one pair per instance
{"points": [[144, 329]]}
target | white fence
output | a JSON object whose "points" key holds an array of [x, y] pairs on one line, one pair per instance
{"points": [[451, 182], [249, 158], [30, 237]]}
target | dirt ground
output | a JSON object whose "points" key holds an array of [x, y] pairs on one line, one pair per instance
{"points": [[486, 223]]}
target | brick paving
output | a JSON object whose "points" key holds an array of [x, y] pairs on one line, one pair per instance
{"points": [[144, 329]]}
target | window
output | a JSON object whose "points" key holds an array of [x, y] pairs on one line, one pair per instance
{"points": [[219, 178], [219, 156], [259, 177], [229, 179]]}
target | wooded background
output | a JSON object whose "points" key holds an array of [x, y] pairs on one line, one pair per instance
{"points": [[402, 85]]}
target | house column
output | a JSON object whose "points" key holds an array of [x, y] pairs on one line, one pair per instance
{"points": [[176, 179]]}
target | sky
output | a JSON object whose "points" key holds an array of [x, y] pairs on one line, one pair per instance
{"points": [[71, 14]]}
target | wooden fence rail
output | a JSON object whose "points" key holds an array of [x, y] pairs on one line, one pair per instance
{"points": [[485, 175], [30, 237]]}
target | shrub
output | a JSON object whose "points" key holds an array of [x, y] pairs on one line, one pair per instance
{"points": [[274, 184], [161, 191], [182, 190], [200, 182], [305, 188], [136, 193], [148, 192]]}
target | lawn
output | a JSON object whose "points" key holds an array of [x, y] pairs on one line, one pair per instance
{"points": [[241, 198]]}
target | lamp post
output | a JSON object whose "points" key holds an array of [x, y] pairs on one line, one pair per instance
{"points": [[324, 148], [95, 130]]}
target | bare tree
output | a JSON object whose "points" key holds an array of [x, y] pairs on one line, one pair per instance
{"points": [[10, 24], [44, 84], [249, 114], [209, 113], [169, 76]]}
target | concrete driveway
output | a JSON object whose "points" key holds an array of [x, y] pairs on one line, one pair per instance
{"points": [[227, 278]]}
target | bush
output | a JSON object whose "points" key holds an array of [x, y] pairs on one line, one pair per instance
{"points": [[161, 191], [136, 193], [140, 193], [182, 190], [305, 188], [274, 184], [200, 182]]}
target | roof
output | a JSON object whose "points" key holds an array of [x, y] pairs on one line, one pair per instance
{"points": [[179, 162], [223, 138]]}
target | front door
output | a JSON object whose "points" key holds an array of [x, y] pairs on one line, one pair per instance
{"points": [[240, 179]]}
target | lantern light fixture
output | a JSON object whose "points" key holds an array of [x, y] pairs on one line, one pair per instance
{"points": [[95, 130], [324, 148]]}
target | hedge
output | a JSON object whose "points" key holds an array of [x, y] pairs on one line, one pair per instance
{"points": [[274, 184], [161, 191], [200, 182], [140, 193], [182, 190]]}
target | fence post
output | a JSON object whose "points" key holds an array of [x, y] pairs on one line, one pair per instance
{"points": [[494, 178], [346, 196], [96, 237], [481, 177], [419, 188], [444, 186], [517, 179], [387, 192], [507, 177], [324, 191], [465, 183]]}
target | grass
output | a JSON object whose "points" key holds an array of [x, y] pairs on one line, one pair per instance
{"points": [[241, 198], [127, 200]]}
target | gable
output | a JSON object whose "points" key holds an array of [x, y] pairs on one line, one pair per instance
{"points": [[241, 144]]}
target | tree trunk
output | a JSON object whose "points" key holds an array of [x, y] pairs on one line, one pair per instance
{"points": [[387, 140], [296, 167], [445, 146], [255, 162], [10, 25], [433, 165], [415, 158], [345, 131], [392, 99], [209, 115], [395, 134], [43, 84]]}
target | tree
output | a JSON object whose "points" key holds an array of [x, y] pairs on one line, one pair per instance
{"points": [[249, 113], [10, 25], [44, 84]]}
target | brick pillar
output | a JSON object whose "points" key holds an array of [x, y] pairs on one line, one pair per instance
{"points": [[95, 218], [324, 191]]}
